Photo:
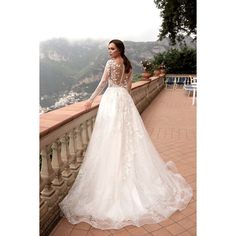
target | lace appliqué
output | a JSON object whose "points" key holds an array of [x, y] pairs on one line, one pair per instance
{"points": [[103, 83], [128, 152], [117, 75], [114, 76]]}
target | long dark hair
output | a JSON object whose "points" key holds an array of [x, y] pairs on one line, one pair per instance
{"points": [[120, 45]]}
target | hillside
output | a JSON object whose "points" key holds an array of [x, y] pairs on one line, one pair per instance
{"points": [[76, 67]]}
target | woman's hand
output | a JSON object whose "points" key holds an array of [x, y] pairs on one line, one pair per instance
{"points": [[88, 105]]}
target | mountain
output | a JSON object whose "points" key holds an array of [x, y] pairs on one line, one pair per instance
{"points": [[74, 68]]}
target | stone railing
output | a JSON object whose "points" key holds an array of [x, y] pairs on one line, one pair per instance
{"points": [[64, 136]]}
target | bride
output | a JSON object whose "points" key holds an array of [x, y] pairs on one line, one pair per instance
{"points": [[122, 180]]}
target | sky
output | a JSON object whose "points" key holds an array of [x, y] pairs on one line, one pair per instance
{"points": [[135, 20]]}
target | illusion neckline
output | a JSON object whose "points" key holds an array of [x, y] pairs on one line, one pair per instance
{"points": [[116, 62]]}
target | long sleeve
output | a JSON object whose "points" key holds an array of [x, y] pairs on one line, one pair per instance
{"points": [[103, 82]]}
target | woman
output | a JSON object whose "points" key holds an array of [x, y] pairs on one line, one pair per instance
{"points": [[122, 180]]}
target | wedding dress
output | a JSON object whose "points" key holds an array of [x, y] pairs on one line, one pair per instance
{"points": [[122, 180]]}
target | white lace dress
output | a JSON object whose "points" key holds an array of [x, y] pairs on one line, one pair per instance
{"points": [[122, 180]]}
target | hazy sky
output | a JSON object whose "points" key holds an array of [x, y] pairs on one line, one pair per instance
{"points": [[136, 20]]}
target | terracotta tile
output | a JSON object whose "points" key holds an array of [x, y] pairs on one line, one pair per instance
{"points": [[187, 172], [192, 231], [99, 232], [161, 232], [191, 178], [193, 185], [89, 233], [166, 222], [193, 217], [65, 223], [186, 233], [130, 227], [78, 232], [192, 205], [83, 225], [138, 231], [193, 199], [55, 228], [187, 223], [62, 231], [177, 216], [188, 211], [175, 229], [122, 233], [114, 231], [152, 227]]}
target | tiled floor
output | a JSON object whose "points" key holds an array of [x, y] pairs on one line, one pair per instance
{"points": [[171, 122]]}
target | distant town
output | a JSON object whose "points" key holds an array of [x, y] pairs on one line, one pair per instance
{"points": [[67, 99]]}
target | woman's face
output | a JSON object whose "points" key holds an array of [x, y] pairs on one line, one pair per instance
{"points": [[113, 50]]}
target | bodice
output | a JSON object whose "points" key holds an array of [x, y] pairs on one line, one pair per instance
{"points": [[114, 74], [117, 76]]}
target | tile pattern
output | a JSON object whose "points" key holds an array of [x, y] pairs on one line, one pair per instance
{"points": [[171, 122]]}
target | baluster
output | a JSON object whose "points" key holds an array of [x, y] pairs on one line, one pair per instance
{"points": [[66, 173], [74, 165], [93, 121], [43, 208], [89, 127], [79, 145], [42, 182], [48, 193], [57, 165], [84, 136]]}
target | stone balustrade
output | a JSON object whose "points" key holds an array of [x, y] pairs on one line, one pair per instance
{"points": [[64, 136]]}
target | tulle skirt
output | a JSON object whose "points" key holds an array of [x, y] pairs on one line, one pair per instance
{"points": [[123, 180]]}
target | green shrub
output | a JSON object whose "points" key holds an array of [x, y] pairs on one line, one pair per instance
{"points": [[180, 61]]}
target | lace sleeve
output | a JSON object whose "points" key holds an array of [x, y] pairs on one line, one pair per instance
{"points": [[103, 82]]}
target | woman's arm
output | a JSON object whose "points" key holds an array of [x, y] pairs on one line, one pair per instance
{"points": [[102, 84]]}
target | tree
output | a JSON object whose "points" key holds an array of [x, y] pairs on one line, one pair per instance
{"points": [[177, 61], [178, 19]]}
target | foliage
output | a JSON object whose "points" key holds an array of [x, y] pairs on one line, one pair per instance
{"points": [[136, 77], [147, 65], [177, 60], [178, 19]]}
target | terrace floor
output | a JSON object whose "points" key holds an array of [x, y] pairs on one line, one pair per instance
{"points": [[171, 122]]}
